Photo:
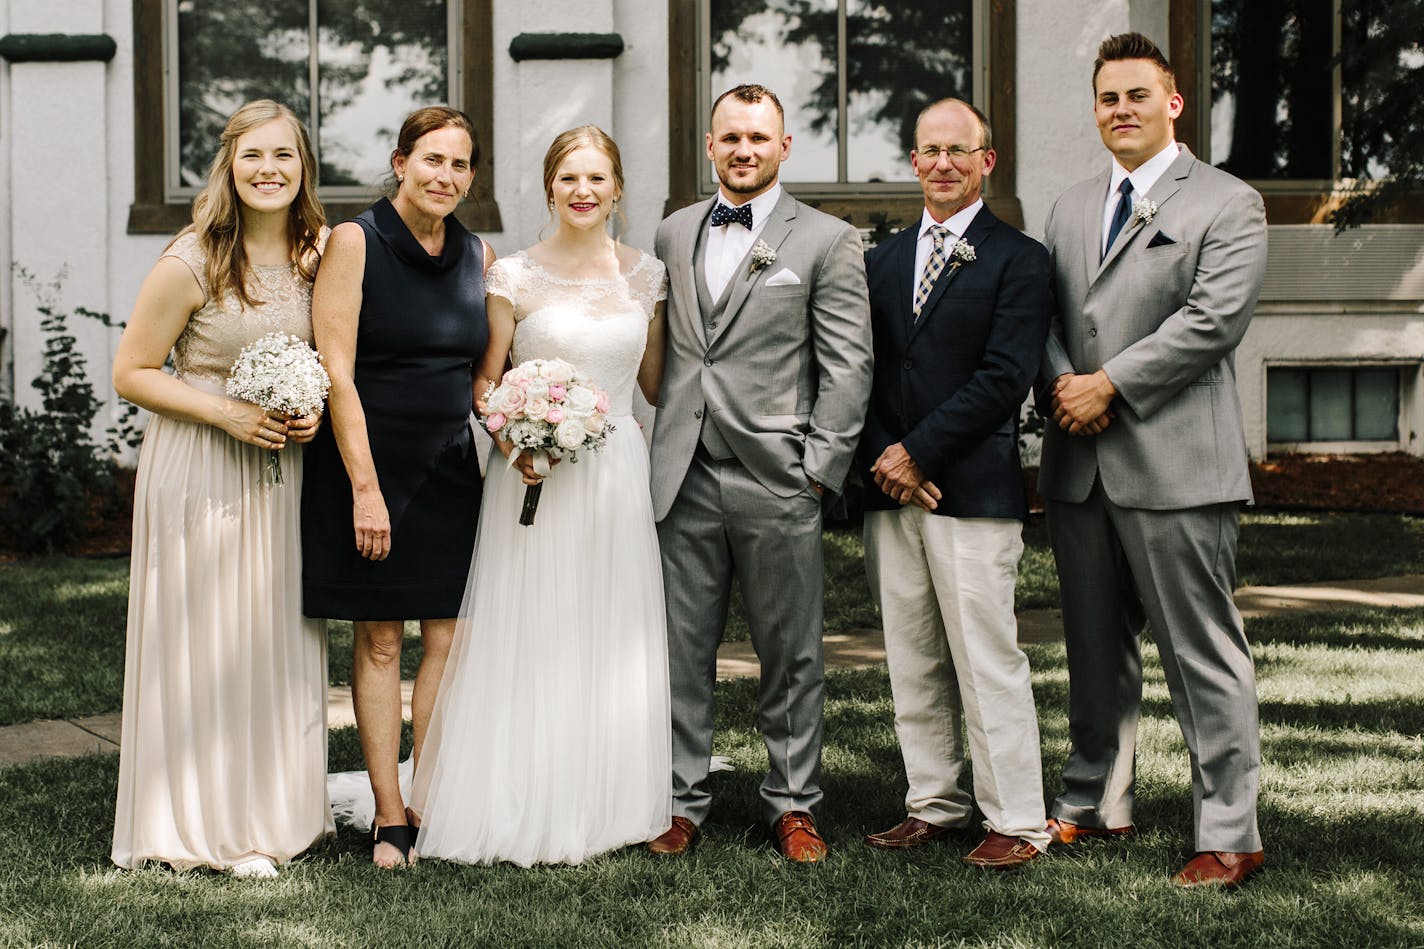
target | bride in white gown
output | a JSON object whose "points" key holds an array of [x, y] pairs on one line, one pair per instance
{"points": [[550, 740]]}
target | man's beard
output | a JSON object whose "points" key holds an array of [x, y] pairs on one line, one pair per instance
{"points": [[763, 178]]}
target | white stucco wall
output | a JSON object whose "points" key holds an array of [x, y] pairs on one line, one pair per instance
{"points": [[537, 99]]}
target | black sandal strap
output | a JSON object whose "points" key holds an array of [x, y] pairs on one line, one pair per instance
{"points": [[399, 836]]}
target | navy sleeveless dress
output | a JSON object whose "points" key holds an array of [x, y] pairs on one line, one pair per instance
{"points": [[421, 334]]}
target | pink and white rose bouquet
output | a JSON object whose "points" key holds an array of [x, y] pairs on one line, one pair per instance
{"points": [[545, 407]]}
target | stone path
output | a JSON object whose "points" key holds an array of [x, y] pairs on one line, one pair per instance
{"points": [[855, 649]]}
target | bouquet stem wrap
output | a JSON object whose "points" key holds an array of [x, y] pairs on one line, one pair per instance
{"points": [[532, 491]]}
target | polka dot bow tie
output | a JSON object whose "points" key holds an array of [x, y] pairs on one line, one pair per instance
{"points": [[725, 214]]}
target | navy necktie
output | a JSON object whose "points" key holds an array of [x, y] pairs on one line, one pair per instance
{"points": [[1120, 214], [726, 214]]}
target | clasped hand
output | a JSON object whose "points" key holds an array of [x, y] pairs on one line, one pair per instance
{"points": [[269, 430], [896, 474], [524, 462], [1081, 403]]}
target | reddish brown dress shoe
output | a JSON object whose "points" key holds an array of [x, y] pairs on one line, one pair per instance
{"points": [[1001, 852], [797, 838], [676, 840], [910, 832], [1065, 833], [1218, 868]]}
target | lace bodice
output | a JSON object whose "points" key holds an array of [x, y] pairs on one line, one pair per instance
{"points": [[600, 326], [217, 332]]}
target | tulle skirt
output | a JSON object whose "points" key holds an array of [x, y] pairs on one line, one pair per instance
{"points": [[551, 737], [223, 751]]}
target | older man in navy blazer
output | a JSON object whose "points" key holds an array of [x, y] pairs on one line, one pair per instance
{"points": [[960, 314]]}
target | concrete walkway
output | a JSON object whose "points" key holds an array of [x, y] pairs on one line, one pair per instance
{"points": [[855, 649]]}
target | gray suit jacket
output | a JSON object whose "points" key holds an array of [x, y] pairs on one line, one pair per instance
{"points": [[786, 373], [1162, 314]]}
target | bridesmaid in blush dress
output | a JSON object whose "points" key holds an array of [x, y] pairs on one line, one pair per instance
{"points": [[223, 755]]}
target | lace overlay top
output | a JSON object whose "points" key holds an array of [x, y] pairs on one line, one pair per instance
{"points": [[600, 326], [217, 332]]}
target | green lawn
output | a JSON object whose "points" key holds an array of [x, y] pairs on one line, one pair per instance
{"points": [[62, 619], [1341, 797]]}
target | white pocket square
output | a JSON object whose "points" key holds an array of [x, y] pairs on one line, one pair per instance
{"points": [[783, 278]]}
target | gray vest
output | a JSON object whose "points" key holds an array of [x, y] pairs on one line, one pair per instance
{"points": [[710, 436]]}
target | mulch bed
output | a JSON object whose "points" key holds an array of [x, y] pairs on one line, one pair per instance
{"points": [[1391, 482], [1387, 482]]}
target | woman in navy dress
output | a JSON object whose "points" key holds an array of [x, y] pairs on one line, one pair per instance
{"points": [[393, 484]]}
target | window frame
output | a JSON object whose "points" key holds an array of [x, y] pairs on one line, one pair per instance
{"points": [[1288, 201], [896, 203], [1345, 446], [155, 211]]}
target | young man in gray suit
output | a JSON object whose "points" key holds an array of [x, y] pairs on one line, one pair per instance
{"points": [[1158, 262], [763, 396]]}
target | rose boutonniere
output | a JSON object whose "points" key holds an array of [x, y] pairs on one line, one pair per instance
{"points": [[1142, 213], [762, 256], [962, 253]]}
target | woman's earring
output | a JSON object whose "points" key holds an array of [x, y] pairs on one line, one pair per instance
{"points": [[615, 204], [400, 179], [551, 204]]}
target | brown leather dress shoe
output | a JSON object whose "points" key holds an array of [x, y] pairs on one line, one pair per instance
{"points": [[1219, 868], [797, 837], [1001, 852], [676, 840], [910, 832], [1064, 833]]}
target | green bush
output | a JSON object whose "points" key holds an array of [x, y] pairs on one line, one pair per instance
{"points": [[53, 472]]}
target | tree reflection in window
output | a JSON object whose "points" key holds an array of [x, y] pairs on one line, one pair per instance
{"points": [[1274, 69], [374, 61], [899, 57]]}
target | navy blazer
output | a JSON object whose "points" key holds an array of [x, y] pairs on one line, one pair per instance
{"points": [[950, 386]]}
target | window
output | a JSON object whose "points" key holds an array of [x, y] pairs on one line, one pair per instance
{"points": [[852, 76], [1332, 404], [1299, 97], [351, 71]]}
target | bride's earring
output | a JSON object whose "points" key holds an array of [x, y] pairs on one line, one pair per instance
{"points": [[400, 179]]}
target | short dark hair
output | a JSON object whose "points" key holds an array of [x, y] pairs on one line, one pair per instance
{"points": [[750, 93], [986, 133], [1133, 46]]}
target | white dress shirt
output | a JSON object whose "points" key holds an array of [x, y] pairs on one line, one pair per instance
{"points": [[1143, 179], [728, 244], [957, 223]]}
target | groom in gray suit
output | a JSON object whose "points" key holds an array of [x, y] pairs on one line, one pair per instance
{"points": [[764, 392], [1158, 262]]}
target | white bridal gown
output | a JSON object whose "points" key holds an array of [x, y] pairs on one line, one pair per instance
{"points": [[550, 740]]}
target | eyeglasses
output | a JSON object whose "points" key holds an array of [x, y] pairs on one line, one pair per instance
{"points": [[956, 153]]}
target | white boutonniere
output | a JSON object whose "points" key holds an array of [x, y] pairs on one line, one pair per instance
{"points": [[762, 256], [1142, 213], [962, 253]]}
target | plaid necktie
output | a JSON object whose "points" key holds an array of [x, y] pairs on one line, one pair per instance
{"points": [[726, 214], [938, 256], [1120, 214]]}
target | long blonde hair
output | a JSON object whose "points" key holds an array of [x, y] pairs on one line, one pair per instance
{"points": [[217, 218]]}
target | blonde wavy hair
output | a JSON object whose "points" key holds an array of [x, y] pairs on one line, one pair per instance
{"points": [[217, 217]]}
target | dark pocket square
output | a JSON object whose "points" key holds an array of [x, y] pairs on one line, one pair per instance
{"points": [[1160, 240]]}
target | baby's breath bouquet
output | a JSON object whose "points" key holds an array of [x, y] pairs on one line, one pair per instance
{"points": [[281, 373]]}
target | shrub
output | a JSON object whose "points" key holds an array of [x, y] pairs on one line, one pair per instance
{"points": [[52, 469]]}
